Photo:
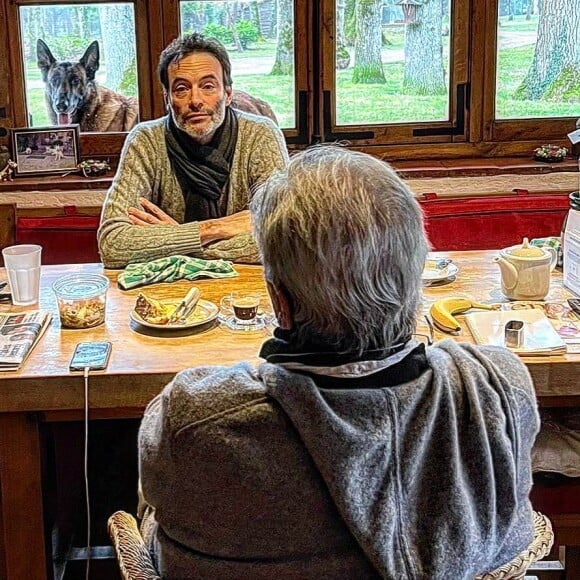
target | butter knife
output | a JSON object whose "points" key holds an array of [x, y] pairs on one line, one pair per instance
{"points": [[186, 305]]}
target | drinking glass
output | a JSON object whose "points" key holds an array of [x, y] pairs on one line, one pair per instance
{"points": [[23, 268]]}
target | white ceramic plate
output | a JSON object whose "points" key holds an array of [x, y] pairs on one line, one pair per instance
{"points": [[205, 311], [433, 274]]}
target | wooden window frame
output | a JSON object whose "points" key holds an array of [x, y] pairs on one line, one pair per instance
{"points": [[473, 63]]}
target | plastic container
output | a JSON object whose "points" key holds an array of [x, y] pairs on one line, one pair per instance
{"points": [[81, 299]]}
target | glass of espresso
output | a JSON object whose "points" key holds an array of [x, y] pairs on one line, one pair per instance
{"points": [[243, 305]]}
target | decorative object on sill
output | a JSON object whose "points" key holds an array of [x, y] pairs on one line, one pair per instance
{"points": [[7, 166], [45, 150], [550, 153], [94, 167]]}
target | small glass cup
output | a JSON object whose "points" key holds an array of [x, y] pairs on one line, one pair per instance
{"points": [[241, 309], [23, 268]]}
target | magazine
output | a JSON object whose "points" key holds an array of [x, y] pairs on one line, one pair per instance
{"points": [[539, 336], [19, 333], [564, 320]]}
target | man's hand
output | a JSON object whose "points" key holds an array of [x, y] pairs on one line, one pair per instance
{"points": [[149, 215], [225, 228]]}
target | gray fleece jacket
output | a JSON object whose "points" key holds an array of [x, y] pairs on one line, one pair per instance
{"points": [[262, 474]]}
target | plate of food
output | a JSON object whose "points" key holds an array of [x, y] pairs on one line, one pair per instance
{"points": [[438, 271], [157, 314]]}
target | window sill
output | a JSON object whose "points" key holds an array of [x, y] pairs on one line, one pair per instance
{"points": [[480, 167], [419, 169]]}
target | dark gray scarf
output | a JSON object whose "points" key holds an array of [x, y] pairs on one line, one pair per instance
{"points": [[202, 171]]}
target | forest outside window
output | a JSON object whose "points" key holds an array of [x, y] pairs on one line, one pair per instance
{"points": [[80, 65], [538, 59], [398, 54], [395, 71], [259, 37]]}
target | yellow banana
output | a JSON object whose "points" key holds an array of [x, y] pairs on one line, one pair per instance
{"points": [[442, 312]]}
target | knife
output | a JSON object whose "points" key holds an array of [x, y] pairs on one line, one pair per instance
{"points": [[186, 305]]}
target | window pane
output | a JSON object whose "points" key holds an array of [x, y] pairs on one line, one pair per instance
{"points": [[392, 61], [259, 37], [538, 61], [80, 65]]}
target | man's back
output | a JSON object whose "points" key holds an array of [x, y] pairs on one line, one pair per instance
{"points": [[265, 473]]}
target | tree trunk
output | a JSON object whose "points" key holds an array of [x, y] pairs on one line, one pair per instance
{"points": [[424, 71], [284, 63], [118, 50], [554, 74], [368, 67], [231, 24], [342, 54]]}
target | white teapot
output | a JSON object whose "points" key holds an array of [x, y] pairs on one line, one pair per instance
{"points": [[525, 271]]}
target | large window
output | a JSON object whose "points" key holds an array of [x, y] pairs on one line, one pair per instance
{"points": [[80, 65], [259, 37], [400, 78]]}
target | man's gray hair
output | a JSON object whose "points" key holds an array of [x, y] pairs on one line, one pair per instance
{"points": [[344, 236]]}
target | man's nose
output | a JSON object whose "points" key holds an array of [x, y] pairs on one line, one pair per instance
{"points": [[195, 99]]}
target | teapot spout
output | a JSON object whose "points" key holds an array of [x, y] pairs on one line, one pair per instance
{"points": [[509, 274]]}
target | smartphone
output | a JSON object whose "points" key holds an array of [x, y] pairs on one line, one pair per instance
{"points": [[94, 355]]}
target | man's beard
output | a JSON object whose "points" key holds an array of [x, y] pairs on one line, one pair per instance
{"points": [[217, 117]]}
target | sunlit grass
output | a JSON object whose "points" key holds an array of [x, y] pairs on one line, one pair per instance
{"points": [[374, 104]]}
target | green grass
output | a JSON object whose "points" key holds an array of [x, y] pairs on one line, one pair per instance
{"points": [[376, 104]]}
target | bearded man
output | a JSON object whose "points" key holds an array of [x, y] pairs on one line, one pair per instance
{"points": [[184, 181]]}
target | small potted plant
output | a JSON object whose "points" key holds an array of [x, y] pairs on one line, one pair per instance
{"points": [[550, 153]]}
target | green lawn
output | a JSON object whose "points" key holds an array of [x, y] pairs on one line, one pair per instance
{"points": [[380, 103]]}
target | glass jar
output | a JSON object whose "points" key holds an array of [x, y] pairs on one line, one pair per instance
{"points": [[81, 299]]}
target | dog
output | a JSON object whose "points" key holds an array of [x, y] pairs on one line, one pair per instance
{"points": [[73, 96], [245, 102], [56, 152]]}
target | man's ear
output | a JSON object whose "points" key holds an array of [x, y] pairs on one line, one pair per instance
{"points": [[282, 305], [229, 96], [166, 101]]}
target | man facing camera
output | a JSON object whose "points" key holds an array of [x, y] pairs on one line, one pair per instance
{"points": [[354, 451], [184, 181]]}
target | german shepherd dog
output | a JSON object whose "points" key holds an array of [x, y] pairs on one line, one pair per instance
{"points": [[73, 96]]}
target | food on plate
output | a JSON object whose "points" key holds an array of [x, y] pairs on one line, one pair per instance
{"points": [[152, 310]]}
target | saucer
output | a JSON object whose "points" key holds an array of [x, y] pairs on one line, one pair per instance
{"points": [[433, 274], [230, 321]]}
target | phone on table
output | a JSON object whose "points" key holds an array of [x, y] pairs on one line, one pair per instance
{"points": [[94, 355]]}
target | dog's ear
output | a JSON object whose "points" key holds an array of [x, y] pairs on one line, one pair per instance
{"points": [[44, 58], [90, 60]]}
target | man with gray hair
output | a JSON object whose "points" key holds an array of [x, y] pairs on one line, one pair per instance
{"points": [[353, 452]]}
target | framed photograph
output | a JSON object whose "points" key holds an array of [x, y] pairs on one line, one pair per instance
{"points": [[45, 150]]}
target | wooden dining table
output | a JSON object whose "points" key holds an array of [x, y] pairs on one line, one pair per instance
{"points": [[143, 360]]}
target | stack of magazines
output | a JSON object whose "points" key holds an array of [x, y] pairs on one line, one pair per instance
{"points": [[19, 333]]}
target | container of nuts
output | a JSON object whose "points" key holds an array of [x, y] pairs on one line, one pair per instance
{"points": [[81, 299]]}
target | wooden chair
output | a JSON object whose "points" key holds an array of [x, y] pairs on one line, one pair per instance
{"points": [[135, 561]]}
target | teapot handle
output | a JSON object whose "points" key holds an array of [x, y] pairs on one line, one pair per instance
{"points": [[554, 260]]}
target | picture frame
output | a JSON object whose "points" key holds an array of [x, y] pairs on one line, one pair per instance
{"points": [[45, 150]]}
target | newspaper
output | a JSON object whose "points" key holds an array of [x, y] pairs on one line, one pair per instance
{"points": [[19, 333], [564, 320]]}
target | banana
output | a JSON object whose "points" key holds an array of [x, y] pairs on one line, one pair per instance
{"points": [[442, 312]]}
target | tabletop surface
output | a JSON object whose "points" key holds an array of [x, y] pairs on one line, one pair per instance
{"points": [[143, 360]]}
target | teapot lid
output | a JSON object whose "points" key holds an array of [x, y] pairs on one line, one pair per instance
{"points": [[527, 251]]}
